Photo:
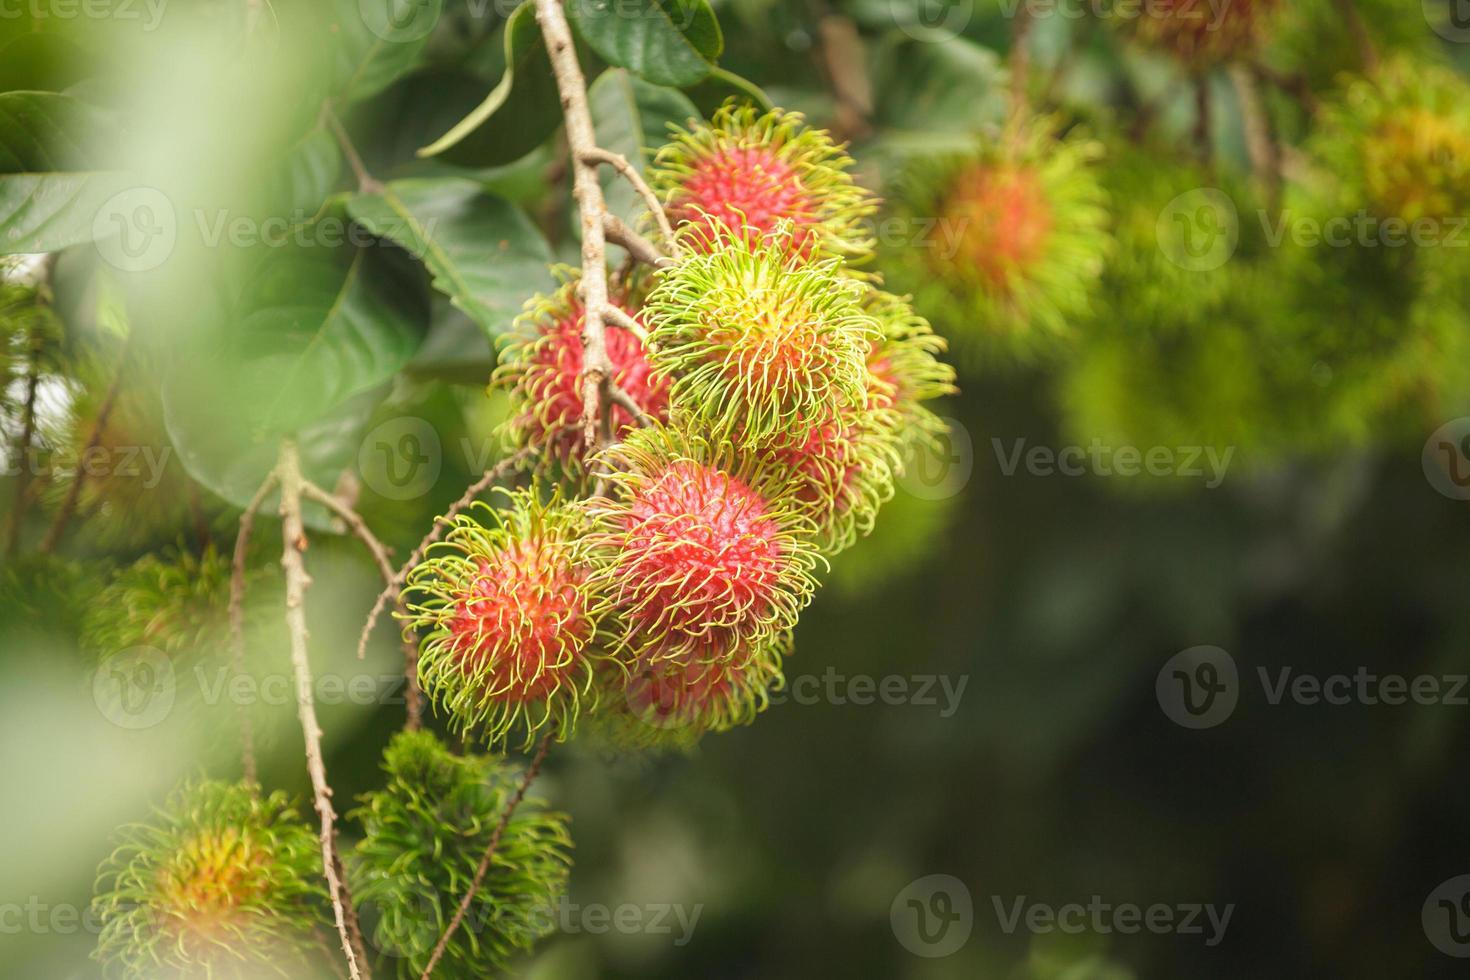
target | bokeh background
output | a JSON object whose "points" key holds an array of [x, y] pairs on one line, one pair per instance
{"points": [[1049, 604]]}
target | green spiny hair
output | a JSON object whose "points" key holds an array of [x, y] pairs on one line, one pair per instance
{"points": [[906, 365], [759, 344], [1007, 239], [225, 883], [424, 835], [702, 553], [510, 618], [746, 172]]}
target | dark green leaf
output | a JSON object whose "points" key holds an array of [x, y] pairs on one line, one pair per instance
{"points": [[520, 112], [633, 118], [669, 42], [709, 94], [483, 252], [377, 41]]}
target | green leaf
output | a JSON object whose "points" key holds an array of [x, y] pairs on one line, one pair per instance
{"points": [[483, 252], [50, 188], [668, 42], [300, 182], [711, 93], [377, 41], [520, 112], [633, 118]]}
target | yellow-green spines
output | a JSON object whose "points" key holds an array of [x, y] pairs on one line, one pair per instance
{"points": [[1005, 241], [758, 343], [746, 172], [510, 621], [224, 883], [425, 833]]}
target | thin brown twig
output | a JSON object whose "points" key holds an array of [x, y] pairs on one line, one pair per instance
{"points": [[1295, 86], [412, 695], [617, 318], [627, 403], [24, 441], [1260, 137], [469, 895], [293, 536], [841, 56], [237, 621], [366, 182], [1353, 18], [597, 155], [68, 507], [441, 525], [638, 247], [587, 190], [1020, 60]]}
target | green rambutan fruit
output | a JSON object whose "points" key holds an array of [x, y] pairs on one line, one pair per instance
{"points": [[541, 367], [746, 173], [1398, 143], [671, 702], [1007, 240], [224, 884], [702, 556], [511, 619], [1204, 33], [425, 833], [759, 344]]}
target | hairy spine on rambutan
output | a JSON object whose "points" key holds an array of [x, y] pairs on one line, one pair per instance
{"points": [[511, 619], [746, 173], [759, 344], [541, 368], [224, 883], [702, 557], [425, 833]]}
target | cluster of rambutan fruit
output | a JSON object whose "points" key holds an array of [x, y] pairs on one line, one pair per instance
{"points": [[777, 392]]}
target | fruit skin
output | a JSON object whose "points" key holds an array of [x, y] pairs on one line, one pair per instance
{"points": [[1200, 34], [510, 617], [702, 557], [759, 345], [224, 883], [746, 172], [541, 367], [1014, 236], [424, 835]]}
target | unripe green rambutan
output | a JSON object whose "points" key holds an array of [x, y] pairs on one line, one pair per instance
{"points": [[1399, 143], [746, 173], [702, 556], [511, 619], [541, 366], [425, 833], [760, 344], [1202, 33], [225, 884], [670, 703], [1014, 236]]}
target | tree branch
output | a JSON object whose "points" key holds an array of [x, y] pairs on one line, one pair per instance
{"points": [[617, 318], [505, 815], [626, 402], [24, 440], [366, 182], [94, 439], [638, 247], [496, 472], [1367, 50], [293, 536], [237, 621], [620, 163], [587, 189]]}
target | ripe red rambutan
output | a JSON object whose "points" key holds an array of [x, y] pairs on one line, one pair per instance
{"points": [[511, 618], [541, 366]]}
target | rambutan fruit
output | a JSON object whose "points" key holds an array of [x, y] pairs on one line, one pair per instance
{"points": [[703, 556], [759, 344], [511, 619], [541, 367], [1201, 33], [1398, 143], [745, 173], [425, 833], [1011, 237], [225, 883], [670, 703]]}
